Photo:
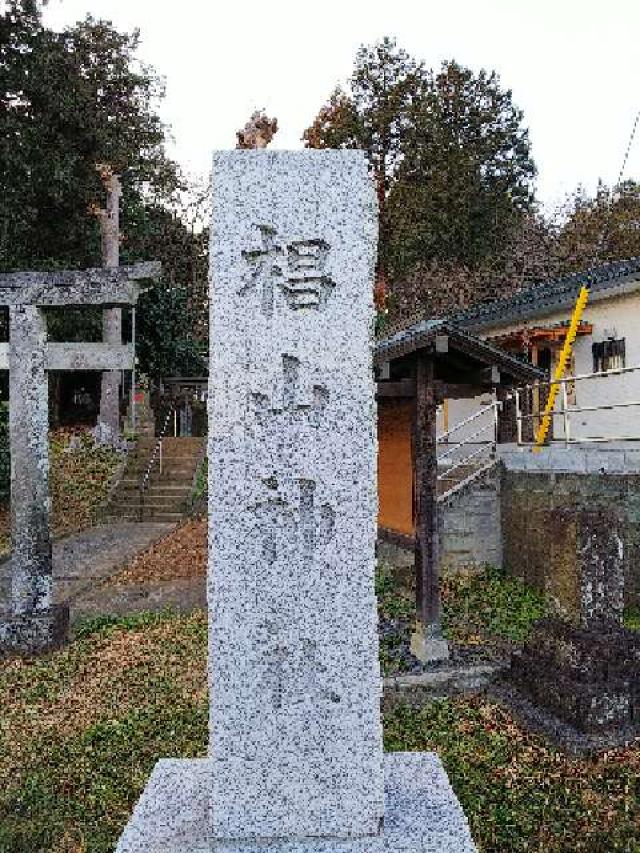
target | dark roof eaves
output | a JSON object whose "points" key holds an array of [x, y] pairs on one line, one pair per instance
{"points": [[520, 307], [414, 338]]}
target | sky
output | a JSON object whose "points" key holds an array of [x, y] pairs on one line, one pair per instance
{"points": [[573, 67]]}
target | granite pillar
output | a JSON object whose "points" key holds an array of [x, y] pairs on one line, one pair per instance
{"points": [[32, 623], [295, 760]]}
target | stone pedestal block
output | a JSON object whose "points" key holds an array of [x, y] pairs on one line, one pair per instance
{"points": [[429, 649], [34, 632], [422, 814], [586, 677]]}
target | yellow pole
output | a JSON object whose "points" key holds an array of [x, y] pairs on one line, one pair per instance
{"points": [[561, 367]]}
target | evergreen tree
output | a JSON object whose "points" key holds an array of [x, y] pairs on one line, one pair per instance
{"points": [[448, 150]]}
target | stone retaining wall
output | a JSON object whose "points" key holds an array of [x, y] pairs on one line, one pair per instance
{"points": [[541, 497]]}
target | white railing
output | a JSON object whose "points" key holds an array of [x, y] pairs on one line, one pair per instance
{"points": [[483, 440], [462, 460], [566, 410], [156, 457]]}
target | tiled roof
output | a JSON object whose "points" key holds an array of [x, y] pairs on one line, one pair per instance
{"points": [[424, 334], [541, 299]]}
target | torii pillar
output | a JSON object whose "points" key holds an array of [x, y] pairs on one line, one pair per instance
{"points": [[32, 622]]}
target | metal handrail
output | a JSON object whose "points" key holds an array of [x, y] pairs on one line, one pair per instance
{"points": [[155, 455], [601, 374], [468, 440], [471, 418], [489, 445], [566, 410], [462, 462]]}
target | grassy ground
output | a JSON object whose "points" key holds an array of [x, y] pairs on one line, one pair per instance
{"points": [[484, 613], [78, 483], [81, 730]]}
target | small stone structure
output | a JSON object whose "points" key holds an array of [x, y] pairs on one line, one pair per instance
{"points": [[581, 665], [33, 623], [540, 494], [295, 762]]}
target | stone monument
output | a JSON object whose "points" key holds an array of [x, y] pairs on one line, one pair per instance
{"points": [[295, 759]]}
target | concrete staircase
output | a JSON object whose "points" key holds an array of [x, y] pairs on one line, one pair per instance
{"points": [[166, 497]]}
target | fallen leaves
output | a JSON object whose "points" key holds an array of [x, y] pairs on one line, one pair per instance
{"points": [[180, 554]]}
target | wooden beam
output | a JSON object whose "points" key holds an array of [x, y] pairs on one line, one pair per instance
{"points": [[426, 522], [458, 391], [398, 388]]}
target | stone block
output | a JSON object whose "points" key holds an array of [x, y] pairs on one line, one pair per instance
{"points": [[34, 632], [429, 649], [422, 814], [589, 678], [605, 462]]}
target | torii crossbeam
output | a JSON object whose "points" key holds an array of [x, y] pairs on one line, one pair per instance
{"points": [[32, 622]]}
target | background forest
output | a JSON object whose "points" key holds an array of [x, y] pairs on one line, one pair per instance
{"points": [[448, 148]]}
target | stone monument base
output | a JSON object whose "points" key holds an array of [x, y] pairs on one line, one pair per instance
{"points": [[428, 649], [587, 677], [36, 632], [422, 814]]}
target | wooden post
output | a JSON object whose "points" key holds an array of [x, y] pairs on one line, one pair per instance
{"points": [[507, 426], [427, 643]]}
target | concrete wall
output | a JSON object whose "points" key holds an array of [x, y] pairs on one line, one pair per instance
{"points": [[470, 532], [541, 495]]}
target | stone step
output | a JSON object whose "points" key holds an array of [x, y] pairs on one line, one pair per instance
{"points": [[162, 516], [159, 516], [180, 476], [167, 465], [186, 441], [168, 504], [132, 486]]}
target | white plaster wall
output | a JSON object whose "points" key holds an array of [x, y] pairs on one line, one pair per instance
{"points": [[460, 410], [621, 313]]}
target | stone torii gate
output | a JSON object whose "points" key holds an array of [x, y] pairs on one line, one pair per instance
{"points": [[33, 622]]}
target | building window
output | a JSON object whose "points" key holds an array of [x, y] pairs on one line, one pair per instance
{"points": [[608, 355]]}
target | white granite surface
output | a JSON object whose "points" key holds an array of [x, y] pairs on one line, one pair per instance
{"points": [[295, 760], [422, 814]]}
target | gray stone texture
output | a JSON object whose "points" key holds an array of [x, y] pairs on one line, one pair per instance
{"points": [[469, 523], [26, 294], [571, 535], [98, 286], [295, 761], [80, 356], [469, 527], [294, 674], [35, 632], [29, 435], [541, 534], [587, 677], [109, 415], [422, 814]]}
